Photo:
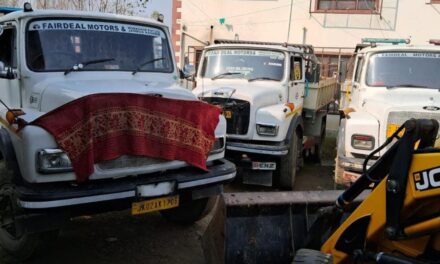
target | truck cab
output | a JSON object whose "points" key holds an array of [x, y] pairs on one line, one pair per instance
{"points": [[261, 88], [391, 84], [51, 58]]}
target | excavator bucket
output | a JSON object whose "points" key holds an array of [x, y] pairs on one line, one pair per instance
{"points": [[264, 227]]}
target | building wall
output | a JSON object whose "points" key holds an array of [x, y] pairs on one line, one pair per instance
{"points": [[268, 20]]}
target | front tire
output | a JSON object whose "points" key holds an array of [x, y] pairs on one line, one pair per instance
{"points": [[190, 211], [290, 163], [13, 238], [309, 256]]}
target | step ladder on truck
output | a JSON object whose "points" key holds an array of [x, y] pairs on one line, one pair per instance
{"points": [[274, 102]]}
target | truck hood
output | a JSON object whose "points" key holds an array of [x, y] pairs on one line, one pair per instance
{"points": [[54, 94], [259, 94], [381, 103]]}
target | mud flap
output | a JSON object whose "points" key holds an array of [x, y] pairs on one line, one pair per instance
{"points": [[266, 227]]}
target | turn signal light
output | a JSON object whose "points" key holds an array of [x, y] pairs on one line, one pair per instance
{"points": [[291, 106], [12, 114]]}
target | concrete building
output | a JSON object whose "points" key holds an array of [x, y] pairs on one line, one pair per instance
{"points": [[336, 26]]}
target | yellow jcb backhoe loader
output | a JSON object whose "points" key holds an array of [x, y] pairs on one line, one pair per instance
{"points": [[398, 221]]}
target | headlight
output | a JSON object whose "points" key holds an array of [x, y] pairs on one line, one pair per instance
{"points": [[267, 130], [363, 142], [218, 146], [53, 161]]}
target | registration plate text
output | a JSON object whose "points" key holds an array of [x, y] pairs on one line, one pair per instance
{"points": [[154, 205]]}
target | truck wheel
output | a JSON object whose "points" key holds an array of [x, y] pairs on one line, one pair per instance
{"points": [[190, 211], [290, 164], [13, 238], [312, 256]]}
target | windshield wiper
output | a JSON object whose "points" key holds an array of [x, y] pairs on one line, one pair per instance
{"points": [[224, 74], [145, 63], [405, 85], [81, 65], [263, 78]]}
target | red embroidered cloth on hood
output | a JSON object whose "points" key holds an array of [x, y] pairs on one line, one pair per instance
{"points": [[103, 127]]}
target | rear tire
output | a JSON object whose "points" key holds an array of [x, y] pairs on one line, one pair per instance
{"points": [[13, 239], [290, 163], [190, 211], [309, 256]]}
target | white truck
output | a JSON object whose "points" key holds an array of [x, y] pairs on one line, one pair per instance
{"points": [[49, 58], [273, 102], [391, 84]]}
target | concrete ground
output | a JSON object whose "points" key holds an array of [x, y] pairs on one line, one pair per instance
{"points": [[121, 238]]}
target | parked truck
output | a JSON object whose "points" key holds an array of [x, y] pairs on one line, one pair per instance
{"points": [[51, 58], [274, 102], [390, 84]]}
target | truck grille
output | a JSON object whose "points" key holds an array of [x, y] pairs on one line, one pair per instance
{"points": [[128, 162], [236, 112], [397, 118]]}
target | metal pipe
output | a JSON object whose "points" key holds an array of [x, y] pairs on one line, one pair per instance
{"points": [[290, 20]]}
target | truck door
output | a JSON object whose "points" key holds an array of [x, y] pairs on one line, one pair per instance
{"points": [[9, 86], [356, 83], [296, 82]]}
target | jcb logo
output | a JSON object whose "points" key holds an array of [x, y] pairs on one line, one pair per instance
{"points": [[426, 180]]}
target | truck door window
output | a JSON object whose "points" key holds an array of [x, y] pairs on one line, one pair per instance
{"points": [[8, 47], [357, 76], [296, 68]]}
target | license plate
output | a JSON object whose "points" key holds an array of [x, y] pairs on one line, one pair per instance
{"points": [[227, 114], [264, 165], [154, 205], [156, 189]]}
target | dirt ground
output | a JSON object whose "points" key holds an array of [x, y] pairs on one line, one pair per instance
{"points": [[121, 238]]}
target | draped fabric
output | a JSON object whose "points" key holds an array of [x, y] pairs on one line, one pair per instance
{"points": [[103, 127]]}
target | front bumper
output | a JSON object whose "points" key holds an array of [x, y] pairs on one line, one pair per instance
{"points": [[353, 164], [349, 169], [56, 195], [277, 149]]}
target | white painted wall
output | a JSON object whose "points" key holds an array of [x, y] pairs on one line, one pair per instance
{"points": [[267, 20]]}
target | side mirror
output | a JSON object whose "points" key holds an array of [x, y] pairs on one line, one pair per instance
{"points": [[188, 72], [6, 72]]}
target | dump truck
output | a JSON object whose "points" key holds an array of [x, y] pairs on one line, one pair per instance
{"points": [[59, 67], [390, 84], [396, 222], [274, 103]]}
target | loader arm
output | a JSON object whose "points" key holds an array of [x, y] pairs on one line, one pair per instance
{"points": [[383, 222]]}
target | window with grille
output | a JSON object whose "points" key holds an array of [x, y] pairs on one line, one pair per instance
{"points": [[348, 6]]}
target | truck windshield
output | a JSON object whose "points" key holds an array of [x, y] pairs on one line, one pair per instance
{"points": [[404, 69], [243, 64], [59, 44]]}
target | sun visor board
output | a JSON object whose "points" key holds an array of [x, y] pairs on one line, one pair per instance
{"points": [[91, 25]]}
